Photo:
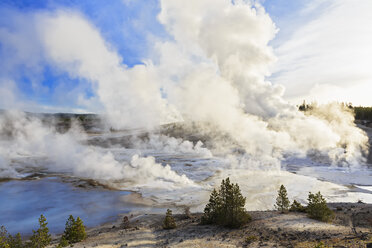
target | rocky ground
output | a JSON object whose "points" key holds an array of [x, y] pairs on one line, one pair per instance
{"points": [[352, 227]]}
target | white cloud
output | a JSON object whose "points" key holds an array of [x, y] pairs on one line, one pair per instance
{"points": [[8, 95], [23, 64], [19, 44], [331, 51], [130, 96]]}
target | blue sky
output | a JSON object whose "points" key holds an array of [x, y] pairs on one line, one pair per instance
{"points": [[125, 25]]}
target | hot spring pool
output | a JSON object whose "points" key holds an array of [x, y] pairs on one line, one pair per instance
{"points": [[22, 202]]}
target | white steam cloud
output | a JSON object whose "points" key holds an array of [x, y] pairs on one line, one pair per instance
{"points": [[26, 137]]}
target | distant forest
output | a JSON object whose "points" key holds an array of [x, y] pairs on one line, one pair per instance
{"points": [[361, 113]]}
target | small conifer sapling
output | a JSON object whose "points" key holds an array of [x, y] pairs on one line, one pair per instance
{"points": [[297, 207], [74, 230], [282, 201], [41, 237], [226, 206], [169, 222], [317, 208]]}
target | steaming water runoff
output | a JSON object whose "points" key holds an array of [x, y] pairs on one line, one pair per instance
{"points": [[99, 175]]}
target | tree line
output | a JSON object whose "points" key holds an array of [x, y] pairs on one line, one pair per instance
{"points": [[226, 207], [363, 113], [360, 113], [74, 232]]}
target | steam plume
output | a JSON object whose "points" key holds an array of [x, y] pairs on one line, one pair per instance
{"points": [[26, 137], [212, 72]]}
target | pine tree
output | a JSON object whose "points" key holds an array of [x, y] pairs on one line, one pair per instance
{"points": [[318, 209], [211, 211], [69, 226], [226, 202], [236, 212], [63, 242], [41, 237], [226, 206], [169, 222], [4, 243], [3, 238], [16, 241], [282, 201], [74, 230], [80, 230], [8, 241], [297, 207]]}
